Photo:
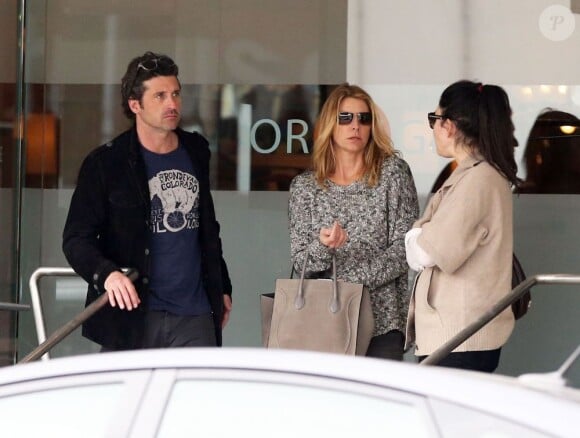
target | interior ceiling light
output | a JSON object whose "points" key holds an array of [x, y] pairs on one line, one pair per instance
{"points": [[568, 129]]}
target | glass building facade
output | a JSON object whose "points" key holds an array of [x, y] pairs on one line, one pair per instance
{"points": [[254, 75]]}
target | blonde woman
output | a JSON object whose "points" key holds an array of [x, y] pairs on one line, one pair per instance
{"points": [[357, 203]]}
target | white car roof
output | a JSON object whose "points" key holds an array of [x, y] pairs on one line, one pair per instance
{"points": [[497, 395]]}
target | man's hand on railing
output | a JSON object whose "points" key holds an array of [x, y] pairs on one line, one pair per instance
{"points": [[121, 291]]}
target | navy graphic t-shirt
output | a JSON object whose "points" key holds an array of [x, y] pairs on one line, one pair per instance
{"points": [[175, 275]]}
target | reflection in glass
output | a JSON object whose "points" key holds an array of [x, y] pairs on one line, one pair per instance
{"points": [[278, 131], [552, 154], [279, 134]]}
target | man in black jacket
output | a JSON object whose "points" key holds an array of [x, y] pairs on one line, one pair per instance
{"points": [[143, 201]]}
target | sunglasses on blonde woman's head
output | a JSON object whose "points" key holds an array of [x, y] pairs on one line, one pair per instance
{"points": [[345, 118], [432, 117]]}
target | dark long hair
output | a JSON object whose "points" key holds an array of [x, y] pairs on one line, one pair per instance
{"points": [[482, 114]]}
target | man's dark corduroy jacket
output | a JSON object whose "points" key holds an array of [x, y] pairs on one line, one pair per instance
{"points": [[107, 229]]}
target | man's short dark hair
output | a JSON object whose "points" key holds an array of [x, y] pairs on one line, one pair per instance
{"points": [[141, 69]]}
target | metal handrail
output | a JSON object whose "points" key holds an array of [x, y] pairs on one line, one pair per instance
{"points": [[14, 306], [442, 352], [46, 344], [35, 298], [65, 330]]}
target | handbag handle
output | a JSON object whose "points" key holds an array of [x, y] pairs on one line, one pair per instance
{"points": [[299, 301]]}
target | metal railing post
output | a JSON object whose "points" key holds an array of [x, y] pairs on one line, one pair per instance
{"points": [[35, 298]]}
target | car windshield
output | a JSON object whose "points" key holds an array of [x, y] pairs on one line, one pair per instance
{"points": [[62, 412], [287, 411]]}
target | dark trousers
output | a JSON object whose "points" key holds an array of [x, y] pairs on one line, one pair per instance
{"points": [[164, 330], [388, 346], [485, 361]]}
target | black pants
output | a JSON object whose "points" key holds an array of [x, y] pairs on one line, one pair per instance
{"points": [[388, 346], [485, 361], [164, 329]]}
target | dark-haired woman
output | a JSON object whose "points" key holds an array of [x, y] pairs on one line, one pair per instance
{"points": [[463, 243]]}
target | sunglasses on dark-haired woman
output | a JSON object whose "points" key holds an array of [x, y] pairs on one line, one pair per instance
{"points": [[432, 118]]}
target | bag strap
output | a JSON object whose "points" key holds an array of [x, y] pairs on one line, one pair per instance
{"points": [[299, 302]]}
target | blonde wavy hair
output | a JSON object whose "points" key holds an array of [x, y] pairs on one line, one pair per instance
{"points": [[378, 148]]}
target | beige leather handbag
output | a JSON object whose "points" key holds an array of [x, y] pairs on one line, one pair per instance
{"points": [[320, 315]]}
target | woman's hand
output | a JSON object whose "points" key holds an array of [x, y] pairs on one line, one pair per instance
{"points": [[333, 237]]}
